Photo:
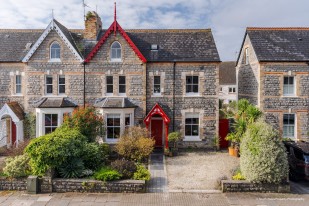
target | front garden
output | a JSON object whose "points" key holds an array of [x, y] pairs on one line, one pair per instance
{"points": [[73, 151]]}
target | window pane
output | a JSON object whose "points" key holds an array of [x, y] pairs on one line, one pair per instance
{"points": [[122, 88], [109, 80], [156, 89], [122, 80], [291, 80], [110, 122], [18, 89], [54, 120], [194, 130], [49, 80], [114, 54], [188, 130], [195, 79], [109, 88], [110, 132], [118, 53], [188, 88], [55, 51], [116, 132], [117, 122], [156, 80], [116, 45], [62, 89], [194, 120], [48, 120], [49, 89], [18, 79], [286, 80], [127, 120], [189, 80], [195, 88], [61, 80], [188, 121], [48, 130]]}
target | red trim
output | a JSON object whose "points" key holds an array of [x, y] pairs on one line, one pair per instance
{"points": [[158, 110], [115, 27]]}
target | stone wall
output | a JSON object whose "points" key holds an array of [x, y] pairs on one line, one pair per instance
{"points": [[13, 184], [245, 186]]}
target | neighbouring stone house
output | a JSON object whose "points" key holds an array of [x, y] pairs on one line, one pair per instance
{"points": [[165, 79], [227, 82], [273, 73]]}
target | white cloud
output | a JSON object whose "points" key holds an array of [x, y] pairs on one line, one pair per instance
{"points": [[227, 18]]}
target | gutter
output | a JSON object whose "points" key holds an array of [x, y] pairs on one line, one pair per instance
{"points": [[174, 85]]}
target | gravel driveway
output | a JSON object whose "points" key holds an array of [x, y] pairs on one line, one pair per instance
{"points": [[199, 170]]}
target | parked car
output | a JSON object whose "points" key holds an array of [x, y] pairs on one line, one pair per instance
{"points": [[298, 157]]}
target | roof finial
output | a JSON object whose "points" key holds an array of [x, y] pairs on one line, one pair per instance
{"points": [[115, 14], [52, 13], [115, 21]]}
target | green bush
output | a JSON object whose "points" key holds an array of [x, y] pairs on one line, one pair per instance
{"points": [[107, 174], [125, 167], [29, 124], [263, 157], [87, 121], [174, 137], [95, 155], [17, 166], [135, 144], [72, 169], [141, 173], [55, 149]]}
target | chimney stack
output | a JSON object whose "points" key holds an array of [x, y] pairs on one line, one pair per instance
{"points": [[93, 26]]}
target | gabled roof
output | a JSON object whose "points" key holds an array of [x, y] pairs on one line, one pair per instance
{"points": [[227, 73], [114, 28], [55, 102], [280, 44], [62, 32], [114, 102]]}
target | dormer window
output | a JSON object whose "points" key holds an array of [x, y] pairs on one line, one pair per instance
{"points": [[116, 52], [55, 51]]}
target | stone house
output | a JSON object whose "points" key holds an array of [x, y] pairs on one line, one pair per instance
{"points": [[227, 82], [166, 80], [273, 73]]}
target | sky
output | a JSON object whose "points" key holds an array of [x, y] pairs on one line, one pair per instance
{"points": [[228, 19]]}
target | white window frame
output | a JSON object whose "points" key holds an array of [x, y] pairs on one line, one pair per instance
{"points": [[289, 86], [192, 84], [160, 85], [59, 84], [233, 90], [52, 58], [130, 119], [118, 51], [125, 87], [18, 84], [46, 84], [51, 126], [247, 55], [192, 137], [112, 84], [289, 126], [115, 115]]}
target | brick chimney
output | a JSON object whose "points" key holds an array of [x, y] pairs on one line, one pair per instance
{"points": [[93, 25]]}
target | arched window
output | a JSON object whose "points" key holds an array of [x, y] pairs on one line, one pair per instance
{"points": [[116, 51], [55, 51]]}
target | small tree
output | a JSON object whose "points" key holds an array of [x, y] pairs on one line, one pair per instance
{"points": [[135, 144], [87, 121], [263, 157]]}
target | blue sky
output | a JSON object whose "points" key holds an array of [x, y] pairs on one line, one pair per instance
{"points": [[227, 18]]}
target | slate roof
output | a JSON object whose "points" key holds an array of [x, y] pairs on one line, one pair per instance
{"points": [[13, 43], [55, 102], [114, 102], [280, 44], [18, 111], [227, 73], [195, 45]]}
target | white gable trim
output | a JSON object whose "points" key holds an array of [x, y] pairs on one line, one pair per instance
{"points": [[52, 26], [6, 110]]}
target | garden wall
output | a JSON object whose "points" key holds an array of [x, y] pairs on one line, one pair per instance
{"points": [[49, 185], [13, 184], [245, 186]]}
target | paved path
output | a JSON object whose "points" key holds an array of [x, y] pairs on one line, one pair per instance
{"points": [[8, 198], [158, 181]]}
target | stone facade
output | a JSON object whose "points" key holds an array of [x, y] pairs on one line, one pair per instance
{"points": [[245, 186], [13, 184], [262, 84]]}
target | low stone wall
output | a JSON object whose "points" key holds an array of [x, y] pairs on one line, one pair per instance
{"points": [[94, 186], [13, 184], [245, 186]]}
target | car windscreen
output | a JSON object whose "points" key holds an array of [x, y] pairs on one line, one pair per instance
{"points": [[306, 157]]}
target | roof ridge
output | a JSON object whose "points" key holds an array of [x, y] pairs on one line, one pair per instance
{"points": [[168, 30], [21, 30], [276, 28]]}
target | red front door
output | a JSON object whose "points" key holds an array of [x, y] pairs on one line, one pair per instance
{"points": [[157, 131], [13, 133]]}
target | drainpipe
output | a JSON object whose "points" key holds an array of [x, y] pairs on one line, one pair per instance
{"points": [[84, 93], [174, 85]]}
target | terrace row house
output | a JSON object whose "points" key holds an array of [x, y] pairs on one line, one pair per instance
{"points": [[166, 80], [273, 73]]}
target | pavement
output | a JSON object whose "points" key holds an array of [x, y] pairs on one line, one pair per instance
{"points": [[8, 198]]}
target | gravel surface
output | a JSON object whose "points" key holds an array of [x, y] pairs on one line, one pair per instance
{"points": [[199, 170]]}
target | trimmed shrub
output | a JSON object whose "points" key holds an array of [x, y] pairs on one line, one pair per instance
{"points": [[263, 157], [17, 166], [141, 173], [174, 137], [29, 126], [72, 169], [55, 149], [94, 155], [125, 167], [87, 121], [135, 144], [107, 174]]}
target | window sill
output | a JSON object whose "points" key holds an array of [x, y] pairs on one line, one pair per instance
{"points": [[289, 96], [192, 95], [17, 95], [192, 139], [111, 141], [109, 94], [116, 60], [54, 60], [156, 95], [122, 94]]}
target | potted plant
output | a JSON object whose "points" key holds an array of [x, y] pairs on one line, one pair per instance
{"points": [[173, 138]]}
